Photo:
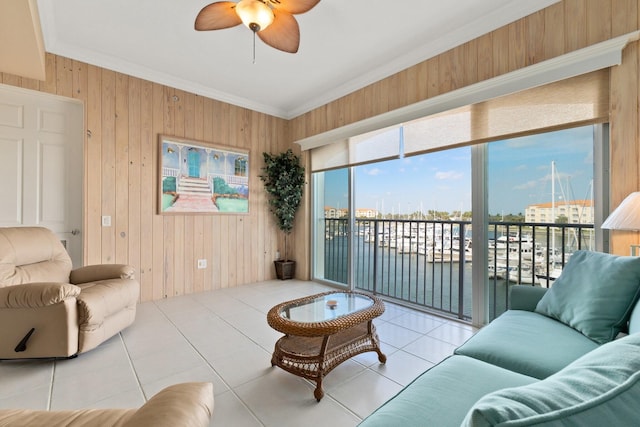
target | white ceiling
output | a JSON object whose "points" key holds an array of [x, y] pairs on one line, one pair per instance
{"points": [[344, 45]]}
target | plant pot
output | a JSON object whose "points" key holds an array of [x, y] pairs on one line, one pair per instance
{"points": [[285, 269]]}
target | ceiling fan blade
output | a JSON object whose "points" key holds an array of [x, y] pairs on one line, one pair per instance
{"points": [[216, 16], [283, 34], [294, 6]]}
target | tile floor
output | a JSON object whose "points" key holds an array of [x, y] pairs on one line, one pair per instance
{"points": [[223, 337]]}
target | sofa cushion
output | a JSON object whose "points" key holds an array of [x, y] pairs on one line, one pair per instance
{"points": [[550, 345], [442, 395], [601, 388], [594, 294]]}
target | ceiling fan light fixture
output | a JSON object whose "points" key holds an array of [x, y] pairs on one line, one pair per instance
{"points": [[255, 14]]}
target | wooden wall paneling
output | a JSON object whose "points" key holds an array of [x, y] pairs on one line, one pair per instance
{"points": [[226, 247], [242, 266], [445, 72], [169, 263], [457, 65], [159, 272], [575, 24], [80, 82], [304, 270], [64, 77], [433, 76], [624, 15], [134, 208], [198, 221], [518, 44], [80, 76], [49, 85], [395, 89], [421, 81], [198, 252], [500, 51], [108, 163], [32, 84], [485, 61], [169, 124], [120, 221], [208, 242], [220, 135], [625, 134], [358, 106], [533, 39], [272, 240], [190, 263], [598, 21], [179, 268], [554, 40], [148, 187], [11, 79], [469, 66], [258, 199], [244, 238], [93, 174], [207, 227], [410, 90], [229, 223]]}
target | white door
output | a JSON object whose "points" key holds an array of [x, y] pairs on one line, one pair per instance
{"points": [[41, 164]]}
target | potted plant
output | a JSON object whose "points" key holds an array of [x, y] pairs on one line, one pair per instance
{"points": [[284, 180]]}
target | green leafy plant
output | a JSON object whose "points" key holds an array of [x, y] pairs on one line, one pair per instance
{"points": [[284, 180]]}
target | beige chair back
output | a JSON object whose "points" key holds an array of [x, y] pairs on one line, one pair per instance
{"points": [[32, 254]]}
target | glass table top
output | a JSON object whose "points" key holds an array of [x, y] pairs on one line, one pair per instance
{"points": [[325, 307]]}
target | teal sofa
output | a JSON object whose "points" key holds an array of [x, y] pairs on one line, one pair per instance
{"points": [[564, 356]]}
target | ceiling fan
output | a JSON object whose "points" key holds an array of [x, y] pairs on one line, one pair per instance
{"points": [[271, 20]]}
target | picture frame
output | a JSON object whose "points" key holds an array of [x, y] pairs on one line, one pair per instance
{"points": [[196, 177]]}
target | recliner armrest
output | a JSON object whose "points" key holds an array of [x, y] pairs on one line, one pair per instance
{"points": [[95, 273], [185, 404], [525, 297], [33, 295]]}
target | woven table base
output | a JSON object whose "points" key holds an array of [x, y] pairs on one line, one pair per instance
{"points": [[315, 357]]}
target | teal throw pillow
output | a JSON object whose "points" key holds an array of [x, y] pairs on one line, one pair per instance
{"points": [[602, 388], [594, 294]]}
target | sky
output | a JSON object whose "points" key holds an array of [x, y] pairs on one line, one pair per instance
{"points": [[519, 174]]}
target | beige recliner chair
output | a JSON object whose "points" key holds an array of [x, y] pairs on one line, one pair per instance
{"points": [[49, 310], [183, 405]]}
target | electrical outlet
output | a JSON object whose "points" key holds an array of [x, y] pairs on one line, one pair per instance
{"points": [[106, 221], [277, 254], [202, 263]]}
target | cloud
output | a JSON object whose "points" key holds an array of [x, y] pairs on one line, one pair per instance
{"points": [[374, 172], [526, 185], [449, 175]]}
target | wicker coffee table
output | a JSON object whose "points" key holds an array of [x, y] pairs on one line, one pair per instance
{"points": [[322, 331]]}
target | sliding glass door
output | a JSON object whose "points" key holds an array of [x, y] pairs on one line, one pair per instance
{"points": [[331, 226]]}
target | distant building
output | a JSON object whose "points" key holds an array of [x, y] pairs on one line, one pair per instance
{"points": [[331, 212], [366, 213], [576, 212]]}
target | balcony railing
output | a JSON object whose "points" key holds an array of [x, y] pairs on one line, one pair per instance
{"points": [[428, 263]]}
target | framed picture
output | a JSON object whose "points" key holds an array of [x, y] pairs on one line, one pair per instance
{"points": [[201, 178]]}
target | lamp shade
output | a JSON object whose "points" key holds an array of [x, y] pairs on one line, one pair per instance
{"points": [[626, 216], [255, 14]]}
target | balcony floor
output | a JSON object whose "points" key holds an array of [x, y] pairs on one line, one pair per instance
{"points": [[222, 336]]}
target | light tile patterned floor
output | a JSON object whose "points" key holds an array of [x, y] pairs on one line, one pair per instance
{"points": [[223, 337]]}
